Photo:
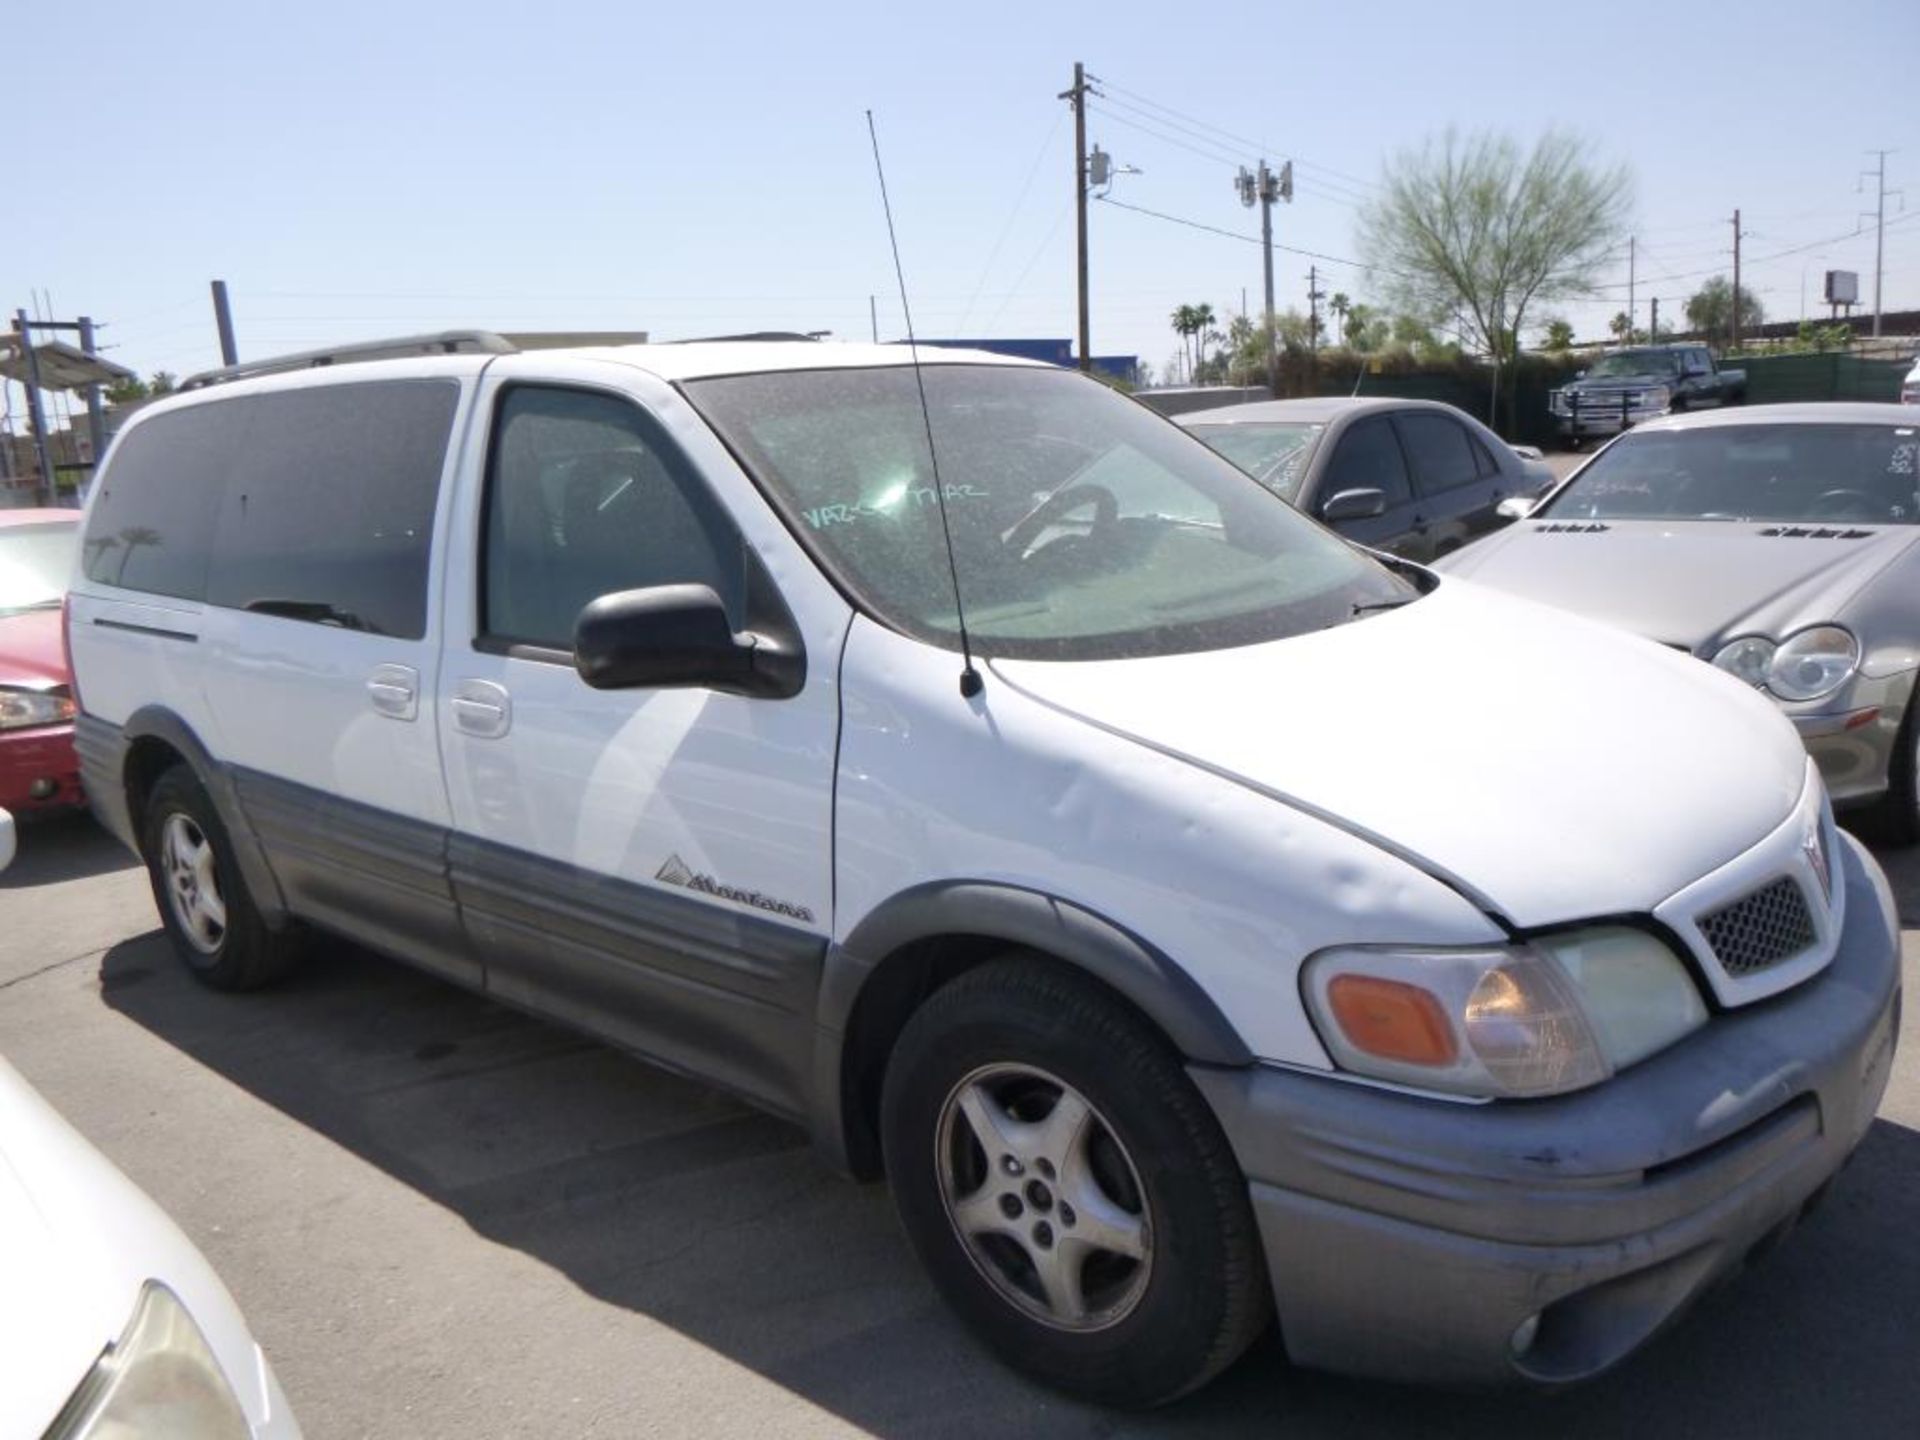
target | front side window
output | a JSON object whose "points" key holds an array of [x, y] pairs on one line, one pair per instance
{"points": [[1443, 457], [35, 561], [1368, 458], [1867, 474], [1083, 525], [1274, 452], [586, 497]]}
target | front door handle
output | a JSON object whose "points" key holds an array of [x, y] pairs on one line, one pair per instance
{"points": [[394, 691], [482, 709]]}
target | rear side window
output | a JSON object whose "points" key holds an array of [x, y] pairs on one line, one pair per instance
{"points": [[1441, 454], [152, 522], [1368, 458], [587, 497], [328, 511]]}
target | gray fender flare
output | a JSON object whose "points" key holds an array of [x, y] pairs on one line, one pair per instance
{"points": [[1155, 984], [159, 723]]}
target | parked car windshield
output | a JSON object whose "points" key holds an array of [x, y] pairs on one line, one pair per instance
{"points": [[1623, 363], [1821, 473], [1274, 452], [35, 562], [1084, 527]]}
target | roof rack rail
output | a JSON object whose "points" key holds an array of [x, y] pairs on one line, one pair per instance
{"points": [[756, 336], [445, 342]]}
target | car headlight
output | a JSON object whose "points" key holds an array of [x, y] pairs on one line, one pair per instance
{"points": [[1806, 665], [23, 709], [158, 1378], [1656, 397], [1553, 1014]]}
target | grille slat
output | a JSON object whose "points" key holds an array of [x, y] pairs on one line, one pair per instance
{"points": [[1760, 929]]}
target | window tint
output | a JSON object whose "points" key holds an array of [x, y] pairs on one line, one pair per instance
{"points": [[1368, 458], [152, 521], [1442, 458], [328, 513], [586, 497]]}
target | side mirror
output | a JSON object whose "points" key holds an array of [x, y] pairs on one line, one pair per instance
{"points": [[677, 636], [1514, 507], [1353, 505], [1579, 374]]}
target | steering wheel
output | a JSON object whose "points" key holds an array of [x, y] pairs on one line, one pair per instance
{"points": [[1106, 510], [1839, 501]]}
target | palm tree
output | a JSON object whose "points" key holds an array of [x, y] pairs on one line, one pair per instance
{"points": [[1184, 325], [1202, 323], [1341, 307]]}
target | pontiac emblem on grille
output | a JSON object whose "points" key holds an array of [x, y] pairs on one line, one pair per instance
{"points": [[1815, 848]]}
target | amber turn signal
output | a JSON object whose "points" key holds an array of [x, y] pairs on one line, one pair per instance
{"points": [[1392, 1020]]}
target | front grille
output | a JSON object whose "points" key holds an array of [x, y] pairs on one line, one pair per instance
{"points": [[1760, 929]]}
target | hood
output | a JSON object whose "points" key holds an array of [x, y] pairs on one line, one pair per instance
{"points": [[1558, 769], [77, 1241], [31, 650], [1693, 581]]}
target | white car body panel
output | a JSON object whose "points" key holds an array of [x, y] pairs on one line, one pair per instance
{"points": [[1010, 789], [1393, 729], [77, 1242]]}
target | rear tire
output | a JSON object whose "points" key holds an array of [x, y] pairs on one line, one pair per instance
{"points": [[1068, 1190], [202, 896]]}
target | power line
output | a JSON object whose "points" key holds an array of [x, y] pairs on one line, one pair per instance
{"points": [[1254, 239], [1007, 228]]}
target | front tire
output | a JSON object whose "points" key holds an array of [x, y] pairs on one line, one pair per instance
{"points": [[1897, 816], [202, 897], [1068, 1189]]}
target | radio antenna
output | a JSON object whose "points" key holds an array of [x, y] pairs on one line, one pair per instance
{"points": [[970, 683]]}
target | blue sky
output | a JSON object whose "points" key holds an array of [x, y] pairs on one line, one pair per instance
{"points": [[356, 169]]}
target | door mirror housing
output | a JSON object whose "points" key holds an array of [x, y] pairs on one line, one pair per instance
{"points": [[1362, 504], [1515, 507], [676, 637]]}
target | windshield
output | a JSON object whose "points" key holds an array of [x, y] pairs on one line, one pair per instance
{"points": [[1274, 452], [1624, 363], [1818, 474], [1084, 526], [35, 561]]}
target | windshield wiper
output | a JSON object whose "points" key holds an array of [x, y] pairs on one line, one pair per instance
{"points": [[1367, 607]]}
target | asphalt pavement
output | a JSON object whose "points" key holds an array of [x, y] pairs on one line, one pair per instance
{"points": [[445, 1219]]}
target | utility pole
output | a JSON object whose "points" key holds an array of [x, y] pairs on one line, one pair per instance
{"points": [[1266, 187], [873, 317], [1653, 323], [1630, 279], [1314, 294], [1077, 97], [1879, 174], [96, 419], [223, 317], [1735, 342], [36, 412]]}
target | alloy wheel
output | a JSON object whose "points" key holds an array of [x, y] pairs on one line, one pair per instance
{"points": [[193, 883]]}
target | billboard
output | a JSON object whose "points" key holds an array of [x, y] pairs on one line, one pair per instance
{"points": [[1843, 287]]}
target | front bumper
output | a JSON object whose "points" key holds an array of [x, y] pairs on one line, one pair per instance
{"points": [[1601, 415], [1854, 746], [38, 770], [1413, 1239]]}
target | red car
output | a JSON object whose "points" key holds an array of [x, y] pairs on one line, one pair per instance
{"points": [[38, 770]]}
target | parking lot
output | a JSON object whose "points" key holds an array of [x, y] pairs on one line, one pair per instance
{"points": [[445, 1219]]}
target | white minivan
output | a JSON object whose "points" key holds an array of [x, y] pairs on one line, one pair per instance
{"points": [[1197, 919]]}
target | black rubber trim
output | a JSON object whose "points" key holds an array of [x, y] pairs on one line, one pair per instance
{"points": [[156, 630]]}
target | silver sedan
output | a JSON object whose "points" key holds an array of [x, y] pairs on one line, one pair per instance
{"points": [[1780, 543]]}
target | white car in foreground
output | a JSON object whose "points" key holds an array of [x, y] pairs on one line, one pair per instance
{"points": [[111, 1323]]}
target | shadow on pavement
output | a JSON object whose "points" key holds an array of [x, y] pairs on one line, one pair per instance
{"points": [[53, 848], [663, 1196]]}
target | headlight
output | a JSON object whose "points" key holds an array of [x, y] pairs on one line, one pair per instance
{"points": [[1813, 663], [159, 1378], [1657, 397], [1541, 1018], [22, 709], [1805, 666]]}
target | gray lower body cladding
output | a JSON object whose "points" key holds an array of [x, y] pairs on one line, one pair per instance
{"points": [[1546, 1240]]}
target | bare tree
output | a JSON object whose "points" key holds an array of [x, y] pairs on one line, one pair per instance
{"points": [[1473, 232]]}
